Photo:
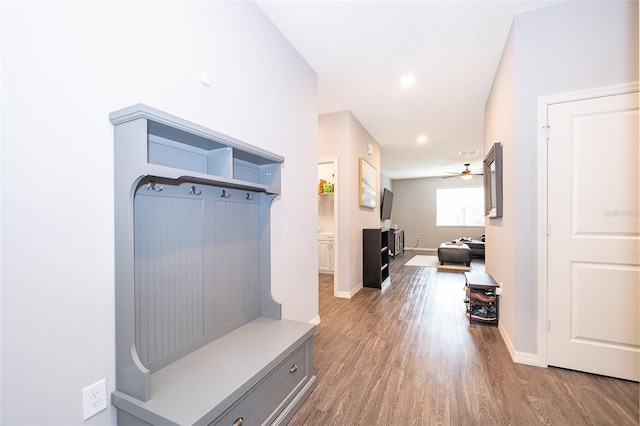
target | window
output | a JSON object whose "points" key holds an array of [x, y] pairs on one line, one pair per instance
{"points": [[460, 206]]}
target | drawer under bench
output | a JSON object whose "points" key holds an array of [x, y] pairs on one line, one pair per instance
{"points": [[258, 374]]}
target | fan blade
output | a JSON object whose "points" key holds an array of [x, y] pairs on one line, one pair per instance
{"points": [[448, 177]]}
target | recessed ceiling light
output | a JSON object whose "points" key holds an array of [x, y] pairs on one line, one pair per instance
{"points": [[407, 80], [422, 139]]}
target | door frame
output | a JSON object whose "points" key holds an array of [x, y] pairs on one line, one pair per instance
{"points": [[543, 284], [336, 209]]}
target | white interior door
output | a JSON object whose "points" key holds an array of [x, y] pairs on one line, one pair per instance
{"points": [[593, 245]]}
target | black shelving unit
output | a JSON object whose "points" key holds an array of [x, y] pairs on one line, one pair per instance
{"points": [[375, 257]]}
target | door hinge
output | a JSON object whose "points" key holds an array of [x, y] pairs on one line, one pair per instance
{"points": [[548, 325], [547, 132], [548, 229]]}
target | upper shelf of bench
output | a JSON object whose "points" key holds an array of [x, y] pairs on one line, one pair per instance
{"points": [[176, 148]]}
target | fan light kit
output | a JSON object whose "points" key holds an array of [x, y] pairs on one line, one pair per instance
{"points": [[466, 174]]}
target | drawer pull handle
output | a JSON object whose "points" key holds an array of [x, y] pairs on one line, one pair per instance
{"points": [[239, 421], [293, 368]]}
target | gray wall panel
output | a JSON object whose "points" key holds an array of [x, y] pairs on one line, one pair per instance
{"points": [[245, 171], [236, 262], [175, 232], [169, 274], [165, 155]]}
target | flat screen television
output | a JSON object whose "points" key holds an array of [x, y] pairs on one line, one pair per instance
{"points": [[386, 205]]}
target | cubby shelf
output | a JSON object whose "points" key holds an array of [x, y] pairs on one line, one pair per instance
{"points": [[174, 148]]}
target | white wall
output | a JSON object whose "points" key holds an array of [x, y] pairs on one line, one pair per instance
{"points": [[341, 135], [360, 217], [499, 127], [333, 141], [567, 47], [65, 66], [414, 210]]}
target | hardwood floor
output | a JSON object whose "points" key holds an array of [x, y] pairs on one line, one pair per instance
{"points": [[406, 355]]}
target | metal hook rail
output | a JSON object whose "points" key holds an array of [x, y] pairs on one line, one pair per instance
{"points": [[193, 190]]}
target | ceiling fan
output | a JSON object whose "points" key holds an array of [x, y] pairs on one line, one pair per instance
{"points": [[465, 174]]}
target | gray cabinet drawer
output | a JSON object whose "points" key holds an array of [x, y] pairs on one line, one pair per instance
{"points": [[257, 405]]}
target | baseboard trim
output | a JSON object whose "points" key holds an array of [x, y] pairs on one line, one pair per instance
{"points": [[315, 321], [507, 341], [435, 250], [516, 356], [348, 294], [526, 358]]}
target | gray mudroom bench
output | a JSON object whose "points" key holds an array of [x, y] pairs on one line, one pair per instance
{"points": [[199, 338]]}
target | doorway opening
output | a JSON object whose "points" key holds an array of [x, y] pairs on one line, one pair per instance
{"points": [[328, 195]]}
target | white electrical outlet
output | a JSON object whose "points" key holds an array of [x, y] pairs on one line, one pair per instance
{"points": [[94, 398]]}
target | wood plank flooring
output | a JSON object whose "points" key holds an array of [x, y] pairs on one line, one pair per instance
{"points": [[406, 355]]}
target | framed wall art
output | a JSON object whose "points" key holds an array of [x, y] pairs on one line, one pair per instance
{"points": [[492, 168], [368, 189]]}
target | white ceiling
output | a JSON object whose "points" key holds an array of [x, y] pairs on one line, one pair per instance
{"points": [[361, 49]]}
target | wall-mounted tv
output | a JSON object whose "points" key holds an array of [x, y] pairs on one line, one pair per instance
{"points": [[386, 205]]}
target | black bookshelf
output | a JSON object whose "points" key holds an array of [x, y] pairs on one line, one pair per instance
{"points": [[375, 257]]}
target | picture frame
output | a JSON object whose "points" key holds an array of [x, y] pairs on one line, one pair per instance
{"points": [[492, 169], [368, 186]]}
